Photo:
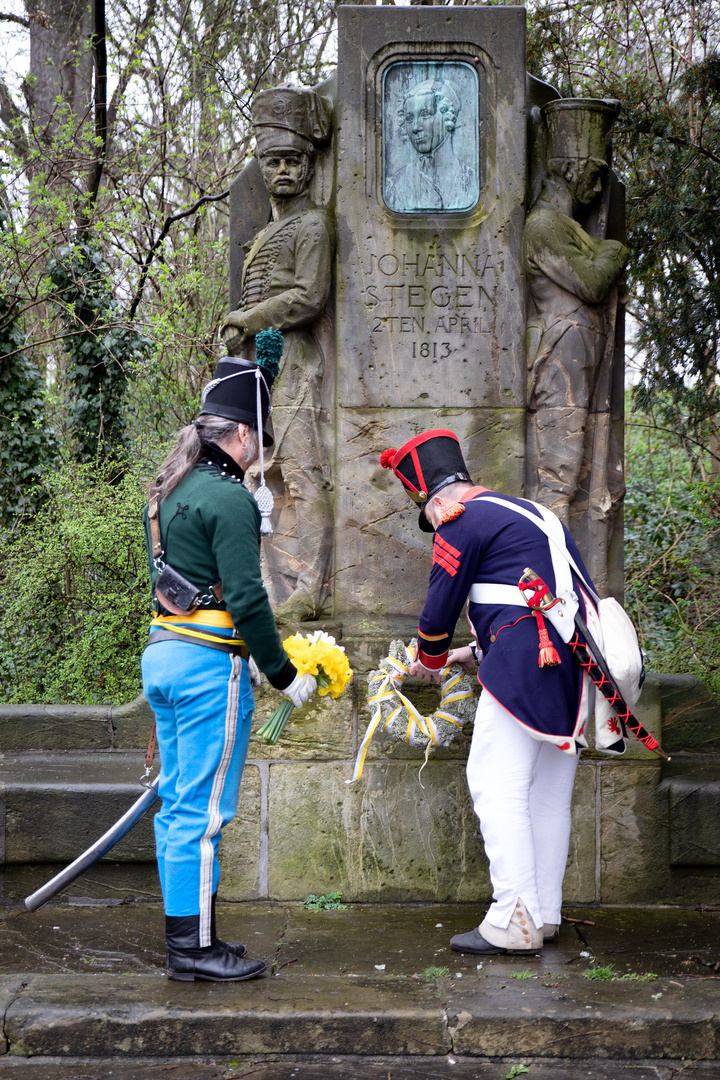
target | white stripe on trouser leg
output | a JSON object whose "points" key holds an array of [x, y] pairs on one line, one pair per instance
{"points": [[214, 817]]}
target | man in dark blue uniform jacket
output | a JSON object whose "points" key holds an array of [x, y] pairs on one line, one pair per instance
{"points": [[534, 709]]}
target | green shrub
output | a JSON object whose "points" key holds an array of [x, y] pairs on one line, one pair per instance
{"points": [[101, 350], [75, 599], [672, 547], [26, 441]]}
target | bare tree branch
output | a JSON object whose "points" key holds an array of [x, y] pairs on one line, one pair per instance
{"points": [[647, 129], [7, 17], [99, 45], [169, 222], [125, 77], [13, 117]]}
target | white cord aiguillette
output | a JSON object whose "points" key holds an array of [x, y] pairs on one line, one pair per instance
{"points": [[263, 495]]}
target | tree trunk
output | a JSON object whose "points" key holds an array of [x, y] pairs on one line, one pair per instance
{"points": [[61, 62]]}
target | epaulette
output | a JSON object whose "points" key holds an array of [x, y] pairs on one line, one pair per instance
{"points": [[452, 513]]}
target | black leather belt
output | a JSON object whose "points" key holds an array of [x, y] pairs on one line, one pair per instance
{"points": [[236, 648]]}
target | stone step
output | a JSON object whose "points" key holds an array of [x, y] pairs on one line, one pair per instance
{"points": [[690, 716], [88, 982], [108, 1014], [55, 805], [345, 1067], [75, 727]]}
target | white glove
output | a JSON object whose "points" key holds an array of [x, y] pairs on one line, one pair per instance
{"points": [[301, 689]]}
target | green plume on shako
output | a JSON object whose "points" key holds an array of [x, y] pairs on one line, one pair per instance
{"points": [[269, 346]]}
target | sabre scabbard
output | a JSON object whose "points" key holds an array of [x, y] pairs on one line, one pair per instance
{"points": [[591, 659], [96, 851]]}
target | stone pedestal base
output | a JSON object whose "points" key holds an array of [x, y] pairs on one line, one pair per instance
{"points": [[642, 831]]}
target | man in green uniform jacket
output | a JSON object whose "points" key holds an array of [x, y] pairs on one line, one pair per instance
{"points": [[203, 533]]}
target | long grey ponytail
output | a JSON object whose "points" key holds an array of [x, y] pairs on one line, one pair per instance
{"points": [[187, 450]]}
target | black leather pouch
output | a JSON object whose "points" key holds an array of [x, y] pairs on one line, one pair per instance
{"points": [[176, 593]]}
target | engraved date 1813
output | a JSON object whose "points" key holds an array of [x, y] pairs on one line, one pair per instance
{"points": [[437, 350]]}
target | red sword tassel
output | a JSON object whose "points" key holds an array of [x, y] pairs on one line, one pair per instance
{"points": [[548, 655]]}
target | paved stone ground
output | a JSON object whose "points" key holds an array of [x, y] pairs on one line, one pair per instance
{"points": [[83, 995], [349, 1068]]}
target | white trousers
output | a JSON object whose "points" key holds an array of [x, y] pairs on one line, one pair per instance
{"points": [[521, 789]]}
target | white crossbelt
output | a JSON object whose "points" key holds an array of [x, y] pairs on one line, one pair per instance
{"points": [[551, 525], [562, 616]]}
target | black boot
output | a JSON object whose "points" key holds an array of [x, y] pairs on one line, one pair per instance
{"points": [[234, 946], [186, 961], [474, 942]]}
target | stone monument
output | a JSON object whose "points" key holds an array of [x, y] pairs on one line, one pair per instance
{"points": [[477, 286], [431, 169], [572, 280], [286, 282]]}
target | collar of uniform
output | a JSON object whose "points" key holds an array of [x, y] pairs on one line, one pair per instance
{"points": [[287, 207], [473, 492], [212, 454]]}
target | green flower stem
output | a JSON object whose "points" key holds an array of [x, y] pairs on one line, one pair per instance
{"points": [[273, 729]]}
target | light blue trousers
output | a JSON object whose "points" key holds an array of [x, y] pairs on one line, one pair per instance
{"points": [[203, 705]]}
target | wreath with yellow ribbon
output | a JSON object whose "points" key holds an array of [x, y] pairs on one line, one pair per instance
{"points": [[393, 712]]}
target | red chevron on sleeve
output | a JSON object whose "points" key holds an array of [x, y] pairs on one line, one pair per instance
{"points": [[446, 555], [447, 548], [437, 558]]}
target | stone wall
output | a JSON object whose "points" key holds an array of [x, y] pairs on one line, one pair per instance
{"points": [[430, 304], [643, 833]]}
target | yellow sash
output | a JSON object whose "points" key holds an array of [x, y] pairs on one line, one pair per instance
{"points": [[220, 619]]}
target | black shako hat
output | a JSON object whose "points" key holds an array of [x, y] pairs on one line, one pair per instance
{"points": [[240, 390], [426, 464]]}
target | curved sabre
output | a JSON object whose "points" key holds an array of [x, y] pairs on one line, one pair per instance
{"points": [[101, 846]]}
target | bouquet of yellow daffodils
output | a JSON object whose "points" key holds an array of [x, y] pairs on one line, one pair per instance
{"points": [[315, 654]]}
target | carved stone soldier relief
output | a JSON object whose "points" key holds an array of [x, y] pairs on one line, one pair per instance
{"points": [[574, 464], [286, 284]]}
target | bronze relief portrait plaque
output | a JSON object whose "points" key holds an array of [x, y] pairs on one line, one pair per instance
{"points": [[430, 137]]}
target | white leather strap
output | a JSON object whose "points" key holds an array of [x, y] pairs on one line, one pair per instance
{"points": [[551, 525], [487, 592], [562, 616]]}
